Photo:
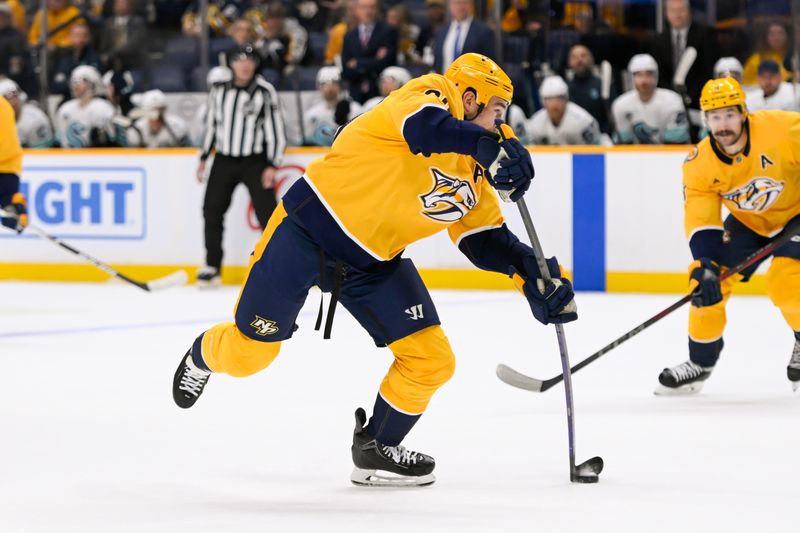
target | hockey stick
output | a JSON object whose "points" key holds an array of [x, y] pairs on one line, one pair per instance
{"points": [[178, 277], [605, 93], [588, 471], [521, 381], [682, 69]]}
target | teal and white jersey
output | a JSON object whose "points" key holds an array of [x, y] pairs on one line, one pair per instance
{"points": [[319, 125], [784, 99], [33, 127], [577, 126], [74, 122], [661, 120]]}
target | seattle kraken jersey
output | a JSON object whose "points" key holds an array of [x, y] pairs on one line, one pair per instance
{"points": [[760, 186], [172, 133], [515, 117], [783, 99], [319, 124], [383, 196], [661, 120], [577, 127], [34, 127], [74, 123]]}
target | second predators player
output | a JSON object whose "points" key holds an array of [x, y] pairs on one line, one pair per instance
{"points": [[411, 167], [749, 163]]}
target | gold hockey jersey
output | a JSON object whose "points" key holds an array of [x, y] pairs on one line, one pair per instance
{"points": [[760, 186]]}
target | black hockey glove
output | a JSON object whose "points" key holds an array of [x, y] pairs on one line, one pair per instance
{"points": [[487, 149], [704, 283], [552, 302], [515, 172], [342, 112]]}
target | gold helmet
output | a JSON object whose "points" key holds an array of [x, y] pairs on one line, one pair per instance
{"points": [[481, 74], [722, 92]]}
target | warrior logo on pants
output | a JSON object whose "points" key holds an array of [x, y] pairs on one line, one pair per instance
{"points": [[758, 195]]}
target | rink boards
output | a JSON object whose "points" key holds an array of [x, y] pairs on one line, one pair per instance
{"points": [[613, 216]]}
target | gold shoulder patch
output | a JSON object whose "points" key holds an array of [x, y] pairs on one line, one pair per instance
{"points": [[692, 154]]}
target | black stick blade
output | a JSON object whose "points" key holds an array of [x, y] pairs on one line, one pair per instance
{"points": [[588, 471]]}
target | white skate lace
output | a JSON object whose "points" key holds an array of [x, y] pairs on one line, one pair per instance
{"points": [[400, 454], [687, 370], [193, 380], [795, 361]]}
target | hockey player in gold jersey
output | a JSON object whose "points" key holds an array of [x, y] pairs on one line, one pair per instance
{"points": [[11, 200], [411, 167], [750, 164]]}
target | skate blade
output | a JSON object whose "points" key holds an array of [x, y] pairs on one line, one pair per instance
{"points": [[683, 390], [213, 284], [379, 478]]}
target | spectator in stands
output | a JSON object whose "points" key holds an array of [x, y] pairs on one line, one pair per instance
{"points": [[423, 48], [774, 45], [61, 14], [338, 30], [669, 46], [368, 48], [85, 121], [12, 45], [399, 18], [585, 86], [242, 31], [220, 15], [649, 114], [154, 127], [79, 52], [124, 36], [772, 92], [561, 122], [284, 43], [33, 126], [463, 34], [312, 15], [391, 79], [17, 12], [728, 66], [322, 120]]}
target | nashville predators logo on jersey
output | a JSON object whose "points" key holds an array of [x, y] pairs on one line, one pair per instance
{"points": [[758, 195], [449, 200], [264, 326]]}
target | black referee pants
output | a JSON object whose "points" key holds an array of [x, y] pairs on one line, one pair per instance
{"points": [[226, 173]]}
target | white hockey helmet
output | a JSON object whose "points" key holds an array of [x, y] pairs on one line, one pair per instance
{"points": [[728, 66], [399, 74], [87, 74], [328, 75], [218, 74], [9, 88], [553, 86], [643, 63]]}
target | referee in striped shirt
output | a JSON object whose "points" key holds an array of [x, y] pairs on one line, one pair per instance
{"points": [[245, 128]]}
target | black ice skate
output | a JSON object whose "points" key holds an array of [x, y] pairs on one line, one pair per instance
{"points": [[686, 378], [793, 370], [208, 277], [377, 465], [189, 382]]}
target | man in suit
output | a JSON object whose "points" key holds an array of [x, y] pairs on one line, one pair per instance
{"points": [[368, 48], [124, 36], [463, 34], [668, 47]]}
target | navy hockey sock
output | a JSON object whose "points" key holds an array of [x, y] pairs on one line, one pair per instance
{"points": [[705, 354], [197, 354], [388, 425]]}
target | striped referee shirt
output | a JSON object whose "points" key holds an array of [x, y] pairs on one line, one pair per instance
{"points": [[246, 121]]}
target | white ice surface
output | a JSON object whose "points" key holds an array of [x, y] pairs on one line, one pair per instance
{"points": [[90, 440]]}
